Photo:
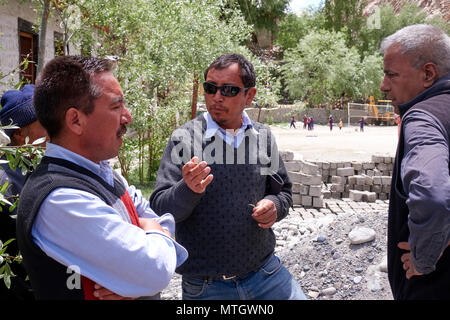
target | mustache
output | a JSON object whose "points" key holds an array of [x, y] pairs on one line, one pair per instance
{"points": [[122, 131]]}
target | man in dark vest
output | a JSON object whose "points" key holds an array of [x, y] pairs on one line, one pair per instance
{"points": [[79, 223], [417, 80], [218, 175], [17, 109]]}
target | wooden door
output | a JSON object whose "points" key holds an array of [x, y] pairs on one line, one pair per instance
{"points": [[27, 49]]}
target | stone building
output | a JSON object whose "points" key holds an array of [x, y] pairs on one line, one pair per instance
{"points": [[18, 38]]}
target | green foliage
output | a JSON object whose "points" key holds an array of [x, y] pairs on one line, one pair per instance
{"points": [[293, 28], [5, 261], [340, 14], [263, 14], [321, 68]]}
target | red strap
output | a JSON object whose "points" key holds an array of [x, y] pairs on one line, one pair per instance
{"points": [[88, 284], [88, 288], [129, 204]]}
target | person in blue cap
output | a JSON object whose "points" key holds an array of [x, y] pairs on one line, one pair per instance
{"points": [[18, 110]]}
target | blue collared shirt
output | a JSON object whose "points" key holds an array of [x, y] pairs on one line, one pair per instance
{"points": [[78, 229], [233, 140]]}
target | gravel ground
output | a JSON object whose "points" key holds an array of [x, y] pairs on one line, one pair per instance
{"points": [[316, 248]]}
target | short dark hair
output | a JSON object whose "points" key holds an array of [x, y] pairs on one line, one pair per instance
{"points": [[64, 83], [247, 71]]}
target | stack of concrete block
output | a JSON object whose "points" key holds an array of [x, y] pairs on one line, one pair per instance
{"points": [[318, 180], [360, 187], [306, 183], [379, 166]]}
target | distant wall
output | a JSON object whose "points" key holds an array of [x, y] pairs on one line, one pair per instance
{"points": [[285, 112]]}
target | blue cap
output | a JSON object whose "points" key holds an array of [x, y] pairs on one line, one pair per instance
{"points": [[17, 106]]}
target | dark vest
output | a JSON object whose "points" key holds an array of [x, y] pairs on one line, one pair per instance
{"points": [[435, 285], [48, 277]]}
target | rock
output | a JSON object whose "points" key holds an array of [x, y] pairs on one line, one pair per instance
{"points": [[321, 239], [329, 291], [383, 265], [361, 235], [313, 294], [357, 279], [336, 255]]}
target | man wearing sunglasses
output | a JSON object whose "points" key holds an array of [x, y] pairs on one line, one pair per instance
{"points": [[223, 202]]}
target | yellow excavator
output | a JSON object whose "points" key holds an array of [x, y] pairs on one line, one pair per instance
{"points": [[386, 118]]}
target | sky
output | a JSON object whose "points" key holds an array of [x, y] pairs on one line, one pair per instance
{"points": [[299, 5]]}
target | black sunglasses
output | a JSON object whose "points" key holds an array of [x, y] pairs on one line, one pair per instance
{"points": [[227, 90]]}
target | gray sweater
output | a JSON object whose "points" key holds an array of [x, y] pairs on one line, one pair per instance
{"points": [[216, 227]]}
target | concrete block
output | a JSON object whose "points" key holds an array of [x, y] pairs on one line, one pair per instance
{"points": [[338, 180], [376, 188], [296, 177], [296, 187], [356, 195], [325, 165], [293, 166], [386, 180], [382, 196], [370, 196], [315, 191], [304, 189], [310, 179], [368, 180], [307, 201], [376, 180], [345, 172], [351, 180], [309, 168], [377, 158], [360, 180], [368, 165], [336, 195], [296, 199], [337, 187], [318, 202], [356, 165]]}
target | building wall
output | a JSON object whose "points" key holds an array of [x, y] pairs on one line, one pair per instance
{"points": [[9, 35]]}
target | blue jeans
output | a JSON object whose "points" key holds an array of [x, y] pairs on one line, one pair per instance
{"points": [[271, 282]]}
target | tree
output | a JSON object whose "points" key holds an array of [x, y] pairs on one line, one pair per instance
{"points": [[42, 34], [293, 28], [390, 22], [340, 14], [321, 67], [263, 16]]}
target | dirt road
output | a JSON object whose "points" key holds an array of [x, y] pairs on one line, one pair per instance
{"points": [[321, 144]]}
